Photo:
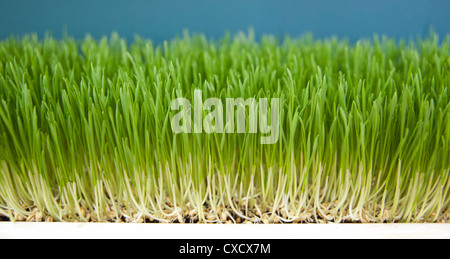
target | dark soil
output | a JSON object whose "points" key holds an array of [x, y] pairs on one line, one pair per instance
{"points": [[3, 218]]}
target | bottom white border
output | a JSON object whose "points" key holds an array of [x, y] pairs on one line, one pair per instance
{"points": [[215, 231]]}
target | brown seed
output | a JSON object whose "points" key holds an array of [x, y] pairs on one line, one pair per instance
{"points": [[308, 215], [223, 217], [83, 212], [320, 214], [238, 220], [31, 217], [39, 216], [211, 217], [48, 219], [365, 217], [20, 218]]}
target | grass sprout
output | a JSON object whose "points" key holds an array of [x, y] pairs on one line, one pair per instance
{"points": [[85, 130]]}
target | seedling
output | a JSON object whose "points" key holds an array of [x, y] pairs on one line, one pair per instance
{"points": [[86, 130]]}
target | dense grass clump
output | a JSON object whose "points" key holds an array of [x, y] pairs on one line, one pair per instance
{"points": [[85, 130]]}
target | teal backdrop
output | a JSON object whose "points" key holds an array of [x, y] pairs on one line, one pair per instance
{"points": [[160, 20]]}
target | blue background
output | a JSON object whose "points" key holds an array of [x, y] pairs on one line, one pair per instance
{"points": [[161, 20]]}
